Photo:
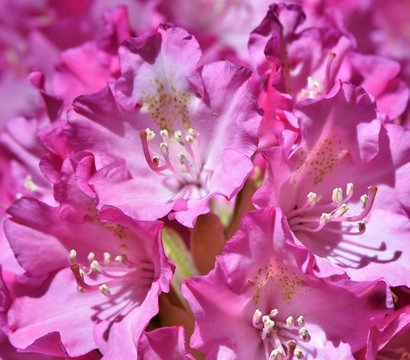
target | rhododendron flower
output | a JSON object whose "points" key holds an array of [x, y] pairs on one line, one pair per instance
{"points": [[176, 137], [308, 63], [327, 186], [119, 269], [268, 308]]}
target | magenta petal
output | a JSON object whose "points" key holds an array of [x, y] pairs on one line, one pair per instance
{"points": [[31, 318], [163, 344]]}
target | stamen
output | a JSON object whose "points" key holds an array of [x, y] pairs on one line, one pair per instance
{"points": [[121, 259], [298, 354], [178, 137], [276, 354], [155, 160], [72, 256], [341, 211], [289, 322], [182, 159], [91, 257], [364, 199], [304, 333], [164, 134], [362, 226], [150, 135], [313, 198], [95, 266], [147, 155], [337, 195], [104, 289], [256, 320], [349, 189], [268, 325], [107, 258], [29, 184], [332, 56], [193, 133], [165, 153], [271, 332], [300, 222], [366, 210]]}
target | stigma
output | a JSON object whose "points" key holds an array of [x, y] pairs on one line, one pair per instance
{"points": [[309, 217]]}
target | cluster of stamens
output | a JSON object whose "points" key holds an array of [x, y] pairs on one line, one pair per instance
{"points": [[176, 153], [272, 331], [314, 88], [123, 274], [300, 220]]}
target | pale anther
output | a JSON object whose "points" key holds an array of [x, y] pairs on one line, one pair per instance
{"points": [[324, 218], [268, 324], [304, 333], [104, 289], [349, 188], [298, 354], [289, 322], [189, 138], [155, 160], [29, 184], [337, 195], [181, 158], [273, 313], [178, 137], [301, 321], [107, 258], [362, 226], [312, 198], [95, 266], [72, 256], [164, 133], [193, 133], [91, 257], [364, 199], [256, 317], [164, 148], [150, 135], [80, 288], [120, 258], [276, 354], [342, 210]]}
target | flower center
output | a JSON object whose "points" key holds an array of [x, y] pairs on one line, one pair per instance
{"points": [[177, 158], [117, 277], [279, 337], [306, 218]]}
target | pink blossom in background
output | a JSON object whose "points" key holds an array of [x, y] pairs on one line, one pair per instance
{"points": [[178, 136], [189, 179]]}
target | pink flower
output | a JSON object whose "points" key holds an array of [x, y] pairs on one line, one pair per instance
{"points": [[259, 304], [308, 63], [119, 267], [177, 136], [326, 186]]}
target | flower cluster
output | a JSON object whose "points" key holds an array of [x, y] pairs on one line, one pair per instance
{"points": [[194, 179]]}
